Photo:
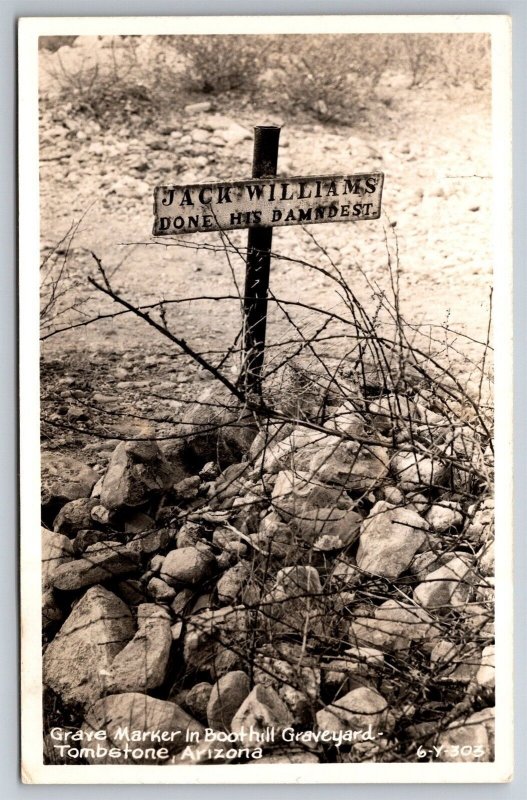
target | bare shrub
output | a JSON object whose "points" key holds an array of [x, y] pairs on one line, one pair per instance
{"points": [[332, 77], [216, 64]]}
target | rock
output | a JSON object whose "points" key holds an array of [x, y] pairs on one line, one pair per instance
{"points": [[230, 484], [86, 538], [137, 470], [210, 633], [189, 534], [188, 565], [274, 536], [486, 673], [235, 134], [389, 539], [346, 419], [177, 631], [485, 559], [394, 626], [139, 712], [228, 693], [142, 664], [313, 509], [486, 717], [392, 412], [217, 428], [74, 516], [393, 495], [457, 663], [151, 542], [181, 602], [298, 704], [100, 514], [413, 470], [426, 562], [63, 479], [209, 471], [295, 603], [229, 541], [279, 668], [351, 465], [233, 581], [345, 574], [132, 592], [442, 517], [197, 700], [77, 659], [57, 549], [198, 108], [109, 560], [481, 527], [447, 586], [288, 447], [357, 710], [138, 522], [463, 740], [160, 591], [361, 660], [261, 709], [187, 488], [156, 563], [51, 611]]}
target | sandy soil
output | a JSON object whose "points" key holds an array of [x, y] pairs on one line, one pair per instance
{"points": [[433, 146]]}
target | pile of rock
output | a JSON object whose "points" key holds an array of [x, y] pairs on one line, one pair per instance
{"points": [[231, 581]]}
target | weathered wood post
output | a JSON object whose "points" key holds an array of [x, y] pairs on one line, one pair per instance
{"points": [[259, 241]]}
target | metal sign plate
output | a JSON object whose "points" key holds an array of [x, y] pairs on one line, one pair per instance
{"points": [[266, 202]]}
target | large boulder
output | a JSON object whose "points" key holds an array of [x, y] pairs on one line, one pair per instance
{"points": [[79, 657], [101, 562], [154, 719], [389, 539], [226, 697], [142, 664], [137, 471]]}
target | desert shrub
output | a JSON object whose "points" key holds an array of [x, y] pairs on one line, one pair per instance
{"points": [[112, 79], [217, 64], [463, 58], [454, 59], [333, 77]]}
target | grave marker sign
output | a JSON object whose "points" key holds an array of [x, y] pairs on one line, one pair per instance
{"points": [[259, 204]]}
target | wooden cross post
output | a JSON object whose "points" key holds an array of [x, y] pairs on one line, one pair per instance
{"points": [[259, 242]]}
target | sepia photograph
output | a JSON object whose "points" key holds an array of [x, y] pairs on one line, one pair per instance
{"points": [[272, 453]]}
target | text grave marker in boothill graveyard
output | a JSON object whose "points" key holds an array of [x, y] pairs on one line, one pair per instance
{"points": [[259, 204]]}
